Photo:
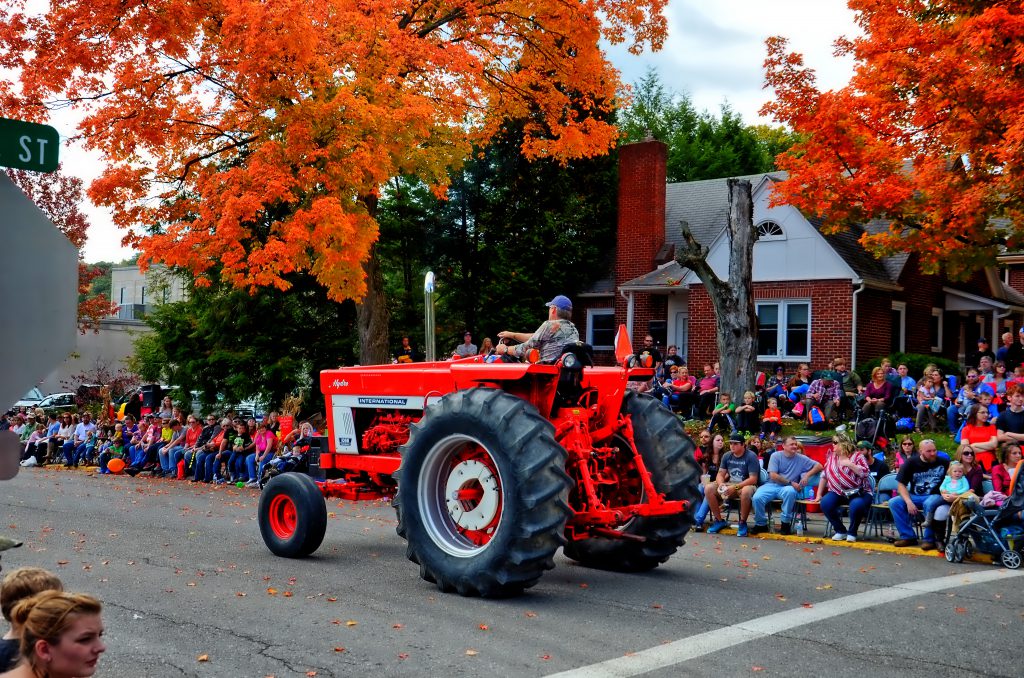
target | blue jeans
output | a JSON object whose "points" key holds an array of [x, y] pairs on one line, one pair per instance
{"points": [[768, 493], [199, 471], [169, 458], [236, 465], [67, 451], [702, 511], [82, 454], [859, 506], [901, 516], [953, 418], [210, 464]]}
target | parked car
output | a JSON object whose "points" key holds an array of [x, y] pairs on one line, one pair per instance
{"points": [[58, 402], [30, 399]]}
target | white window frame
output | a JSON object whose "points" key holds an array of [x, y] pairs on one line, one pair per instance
{"points": [[901, 306], [784, 305], [591, 313], [938, 313], [769, 238]]}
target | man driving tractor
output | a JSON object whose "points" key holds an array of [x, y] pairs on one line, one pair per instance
{"points": [[549, 339]]}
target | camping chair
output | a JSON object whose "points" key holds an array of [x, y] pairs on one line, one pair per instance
{"points": [[879, 513], [844, 510], [735, 503], [803, 504]]}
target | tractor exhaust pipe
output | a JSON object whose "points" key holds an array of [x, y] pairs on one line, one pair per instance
{"points": [[428, 317]]}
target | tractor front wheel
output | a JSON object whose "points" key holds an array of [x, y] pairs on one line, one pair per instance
{"points": [[292, 515], [667, 453], [482, 494]]}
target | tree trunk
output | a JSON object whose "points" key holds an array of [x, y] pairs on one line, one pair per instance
{"points": [[733, 299], [373, 316]]}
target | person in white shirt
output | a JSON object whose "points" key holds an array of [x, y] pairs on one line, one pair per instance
{"points": [[70, 448]]}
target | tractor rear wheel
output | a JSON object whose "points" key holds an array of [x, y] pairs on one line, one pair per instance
{"points": [[292, 515], [668, 454], [482, 494]]}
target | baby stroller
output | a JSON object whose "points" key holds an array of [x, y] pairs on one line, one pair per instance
{"points": [[873, 430], [1000, 536]]}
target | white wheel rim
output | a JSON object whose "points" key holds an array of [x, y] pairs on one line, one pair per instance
{"points": [[444, 516], [466, 474]]}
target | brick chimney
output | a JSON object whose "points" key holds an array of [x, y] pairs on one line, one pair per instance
{"points": [[641, 225]]}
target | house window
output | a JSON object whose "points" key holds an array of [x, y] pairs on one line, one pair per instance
{"points": [[898, 331], [935, 330], [601, 328], [784, 330], [143, 300], [769, 230], [121, 302]]}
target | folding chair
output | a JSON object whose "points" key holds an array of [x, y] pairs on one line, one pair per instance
{"points": [[844, 510]]}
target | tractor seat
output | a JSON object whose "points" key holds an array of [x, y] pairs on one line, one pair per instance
{"points": [[575, 356]]}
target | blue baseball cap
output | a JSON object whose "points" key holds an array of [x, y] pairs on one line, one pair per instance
{"points": [[560, 302]]}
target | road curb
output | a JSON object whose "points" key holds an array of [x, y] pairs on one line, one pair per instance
{"points": [[866, 546]]}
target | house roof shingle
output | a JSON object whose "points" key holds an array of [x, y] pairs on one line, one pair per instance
{"points": [[705, 207]]}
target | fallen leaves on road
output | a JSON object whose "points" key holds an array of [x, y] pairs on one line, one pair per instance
{"points": [[403, 655], [351, 622], [807, 605], [272, 591], [531, 615], [203, 658], [780, 597], [484, 627], [757, 668], [339, 649], [398, 626], [332, 599], [471, 653], [960, 610]]}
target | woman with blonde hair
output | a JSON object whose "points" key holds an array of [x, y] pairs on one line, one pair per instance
{"points": [[61, 635], [877, 393]]}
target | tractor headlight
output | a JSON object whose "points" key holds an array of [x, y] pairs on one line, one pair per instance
{"points": [[570, 361]]}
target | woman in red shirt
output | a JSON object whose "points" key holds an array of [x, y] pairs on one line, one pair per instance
{"points": [[981, 435]]}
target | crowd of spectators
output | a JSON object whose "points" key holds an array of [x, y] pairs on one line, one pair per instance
{"points": [[166, 444], [984, 413]]}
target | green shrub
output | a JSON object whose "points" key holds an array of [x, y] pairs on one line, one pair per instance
{"points": [[915, 363]]}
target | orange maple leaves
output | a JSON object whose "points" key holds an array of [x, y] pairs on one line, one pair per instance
{"points": [[927, 135], [252, 137]]}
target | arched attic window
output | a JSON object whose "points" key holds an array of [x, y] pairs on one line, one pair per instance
{"points": [[769, 230]]}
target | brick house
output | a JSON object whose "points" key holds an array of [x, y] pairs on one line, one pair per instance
{"points": [[818, 296]]}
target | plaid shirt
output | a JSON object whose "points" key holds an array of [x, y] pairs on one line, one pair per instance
{"points": [[818, 388]]}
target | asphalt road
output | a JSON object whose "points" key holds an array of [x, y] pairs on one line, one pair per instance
{"points": [[190, 590]]}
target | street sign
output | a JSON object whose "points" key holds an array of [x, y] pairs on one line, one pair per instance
{"points": [[28, 146], [39, 285]]}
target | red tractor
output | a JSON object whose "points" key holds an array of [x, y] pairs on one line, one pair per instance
{"points": [[494, 466]]}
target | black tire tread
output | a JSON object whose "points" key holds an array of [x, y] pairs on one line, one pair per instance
{"points": [[537, 466], [311, 511]]}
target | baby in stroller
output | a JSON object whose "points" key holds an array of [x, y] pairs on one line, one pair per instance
{"points": [[1000, 535]]}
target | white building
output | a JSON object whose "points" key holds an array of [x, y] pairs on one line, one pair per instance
{"points": [[136, 292]]}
